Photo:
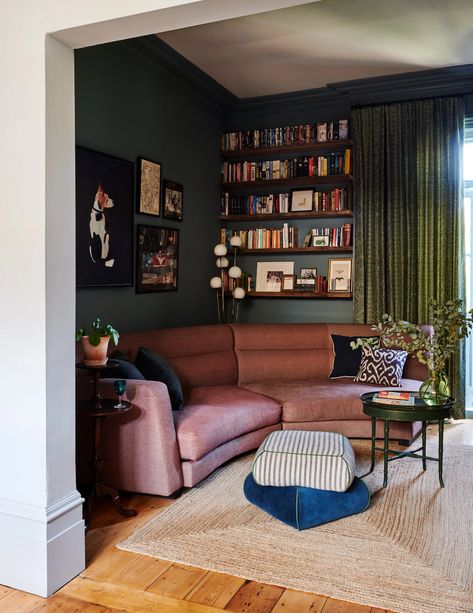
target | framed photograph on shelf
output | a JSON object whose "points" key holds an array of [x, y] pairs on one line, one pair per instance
{"points": [[339, 274], [308, 273], [301, 200], [269, 275], [149, 187], [157, 259], [288, 282], [320, 241], [104, 220], [173, 199]]}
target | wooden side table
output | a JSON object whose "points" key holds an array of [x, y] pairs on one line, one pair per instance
{"points": [[419, 411], [99, 409]]}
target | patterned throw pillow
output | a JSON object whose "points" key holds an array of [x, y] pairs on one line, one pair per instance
{"points": [[382, 366]]}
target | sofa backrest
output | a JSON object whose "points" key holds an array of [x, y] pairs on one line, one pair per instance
{"points": [[200, 355], [291, 352]]}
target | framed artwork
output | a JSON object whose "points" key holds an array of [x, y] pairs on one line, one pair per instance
{"points": [[157, 259], [104, 220], [149, 187], [308, 273], [301, 200], [320, 241], [173, 198], [269, 275], [288, 283], [339, 274]]}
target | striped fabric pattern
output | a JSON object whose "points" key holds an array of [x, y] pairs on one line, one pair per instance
{"points": [[322, 460]]}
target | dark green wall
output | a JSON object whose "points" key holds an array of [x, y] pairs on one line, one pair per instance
{"points": [[126, 106], [282, 110]]}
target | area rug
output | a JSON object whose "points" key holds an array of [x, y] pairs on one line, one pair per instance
{"points": [[411, 551]]}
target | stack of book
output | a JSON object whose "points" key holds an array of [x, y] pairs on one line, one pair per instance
{"points": [[396, 398]]}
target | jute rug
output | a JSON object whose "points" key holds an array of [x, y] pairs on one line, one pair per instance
{"points": [[411, 551]]}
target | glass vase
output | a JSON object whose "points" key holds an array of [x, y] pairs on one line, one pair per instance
{"points": [[436, 389]]}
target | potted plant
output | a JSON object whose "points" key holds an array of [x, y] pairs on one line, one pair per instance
{"points": [[450, 325], [95, 344]]}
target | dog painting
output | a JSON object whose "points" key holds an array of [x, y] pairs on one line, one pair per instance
{"points": [[104, 220], [99, 237]]}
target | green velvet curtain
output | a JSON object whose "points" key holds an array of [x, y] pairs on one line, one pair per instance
{"points": [[408, 213]]}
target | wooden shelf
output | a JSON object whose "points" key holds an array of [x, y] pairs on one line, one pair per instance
{"points": [[291, 182], [310, 295], [295, 250], [290, 215], [297, 148]]}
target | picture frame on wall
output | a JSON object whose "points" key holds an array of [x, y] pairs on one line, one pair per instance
{"points": [[173, 200], [339, 278], [268, 274], [156, 259], [149, 187], [104, 219], [301, 200]]}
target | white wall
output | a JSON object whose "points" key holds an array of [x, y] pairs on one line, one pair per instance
{"points": [[41, 533]]}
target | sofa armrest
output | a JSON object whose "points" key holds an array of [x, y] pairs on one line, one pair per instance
{"points": [[140, 449]]}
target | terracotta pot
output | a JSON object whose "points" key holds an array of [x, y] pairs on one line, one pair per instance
{"points": [[95, 356]]}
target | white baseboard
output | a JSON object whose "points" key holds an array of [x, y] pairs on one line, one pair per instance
{"points": [[41, 548]]}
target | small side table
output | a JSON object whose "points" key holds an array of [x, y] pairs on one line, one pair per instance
{"points": [[99, 409], [419, 411]]}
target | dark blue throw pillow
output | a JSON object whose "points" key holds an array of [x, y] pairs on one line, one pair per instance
{"points": [[306, 507], [124, 370], [155, 368], [346, 361]]}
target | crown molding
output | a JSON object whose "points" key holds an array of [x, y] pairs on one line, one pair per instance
{"points": [[179, 68], [410, 85], [319, 96]]}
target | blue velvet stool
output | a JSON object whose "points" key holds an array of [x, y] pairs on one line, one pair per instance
{"points": [[306, 507]]}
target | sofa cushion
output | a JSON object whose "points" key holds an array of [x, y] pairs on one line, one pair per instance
{"points": [[124, 370], [346, 361], [306, 507], [382, 366], [321, 460], [155, 368], [214, 415], [321, 399]]}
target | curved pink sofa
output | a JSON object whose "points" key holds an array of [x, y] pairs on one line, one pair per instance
{"points": [[240, 383]]}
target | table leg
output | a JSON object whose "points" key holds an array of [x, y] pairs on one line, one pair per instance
{"points": [[110, 491], [373, 442], [385, 451], [424, 441], [441, 424]]}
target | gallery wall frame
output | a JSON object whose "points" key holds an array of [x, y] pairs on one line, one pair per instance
{"points": [[157, 258], [173, 200], [148, 182], [104, 219]]}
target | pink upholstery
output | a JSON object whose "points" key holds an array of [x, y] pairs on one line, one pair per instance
{"points": [[318, 399], [214, 415], [194, 472], [236, 378]]}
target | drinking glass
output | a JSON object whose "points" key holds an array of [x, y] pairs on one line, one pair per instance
{"points": [[120, 387]]}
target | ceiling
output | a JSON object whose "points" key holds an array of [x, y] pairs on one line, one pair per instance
{"points": [[310, 45]]}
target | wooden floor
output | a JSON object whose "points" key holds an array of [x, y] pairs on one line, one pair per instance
{"points": [[116, 580]]}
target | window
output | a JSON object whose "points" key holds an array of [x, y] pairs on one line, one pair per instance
{"points": [[468, 194]]}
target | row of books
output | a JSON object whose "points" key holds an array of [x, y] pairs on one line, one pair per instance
{"points": [[313, 166], [252, 204], [338, 199], [318, 285], [306, 134], [268, 238], [341, 236], [394, 398]]}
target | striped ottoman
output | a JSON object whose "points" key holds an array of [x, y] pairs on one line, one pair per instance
{"points": [[321, 460]]}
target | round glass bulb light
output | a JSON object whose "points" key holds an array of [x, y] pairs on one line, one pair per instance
{"points": [[216, 282], [235, 241], [238, 293], [222, 262], [234, 272], [220, 250]]}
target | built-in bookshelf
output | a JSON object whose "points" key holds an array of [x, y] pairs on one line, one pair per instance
{"points": [[264, 175]]}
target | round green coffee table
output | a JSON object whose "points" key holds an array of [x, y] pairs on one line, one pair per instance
{"points": [[419, 411]]}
